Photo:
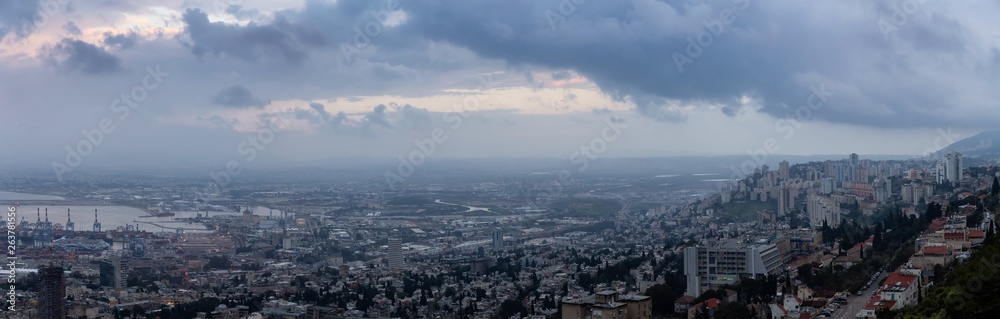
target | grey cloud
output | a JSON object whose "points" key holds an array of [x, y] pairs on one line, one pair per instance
{"points": [[627, 48], [321, 109], [418, 117], [122, 41], [561, 75], [72, 29], [17, 16], [78, 56], [238, 96], [601, 111], [377, 117], [242, 14], [278, 40], [391, 117], [218, 121], [730, 110]]}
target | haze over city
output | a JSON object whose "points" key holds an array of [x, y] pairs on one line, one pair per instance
{"points": [[499, 159]]}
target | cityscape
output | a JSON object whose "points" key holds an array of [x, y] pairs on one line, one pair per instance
{"points": [[829, 238], [483, 159]]}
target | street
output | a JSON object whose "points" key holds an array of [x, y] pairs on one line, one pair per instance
{"points": [[855, 303]]}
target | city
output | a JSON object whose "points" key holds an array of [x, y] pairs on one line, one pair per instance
{"points": [[781, 243], [486, 159]]}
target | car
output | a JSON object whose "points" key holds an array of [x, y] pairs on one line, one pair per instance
{"points": [[835, 304]]}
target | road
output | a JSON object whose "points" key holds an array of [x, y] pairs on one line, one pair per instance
{"points": [[855, 303]]}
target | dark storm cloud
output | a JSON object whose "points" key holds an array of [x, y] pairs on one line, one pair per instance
{"points": [[279, 40], [121, 41], [770, 51], [238, 96], [78, 56], [17, 16], [664, 57]]}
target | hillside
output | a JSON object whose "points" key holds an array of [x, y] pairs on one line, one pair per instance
{"points": [[985, 144]]}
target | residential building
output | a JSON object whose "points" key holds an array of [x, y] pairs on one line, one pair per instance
{"points": [[822, 209], [953, 167], [607, 305], [52, 293], [714, 264], [394, 256]]}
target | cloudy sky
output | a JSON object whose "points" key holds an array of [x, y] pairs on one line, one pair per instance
{"points": [[186, 82]]}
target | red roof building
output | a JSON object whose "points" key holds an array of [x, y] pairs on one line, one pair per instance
{"points": [[936, 250]]}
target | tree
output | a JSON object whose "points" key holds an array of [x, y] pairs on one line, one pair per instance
{"points": [[877, 237], [510, 308], [662, 298], [733, 310], [827, 233], [995, 190]]}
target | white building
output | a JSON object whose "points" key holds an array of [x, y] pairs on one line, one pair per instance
{"points": [[820, 209], [953, 167], [711, 265]]}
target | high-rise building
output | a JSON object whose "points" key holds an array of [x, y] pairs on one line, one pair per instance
{"points": [[52, 293], [828, 185], [394, 256], [711, 265], [786, 200], [821, 209], [883, 190], [914, 192], [783, 170], [940, 172], [953, 167], [497, 239], [843, 173], [112, 272]]}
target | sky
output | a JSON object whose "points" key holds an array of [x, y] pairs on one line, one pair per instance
{"points": [[178, 83]]}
